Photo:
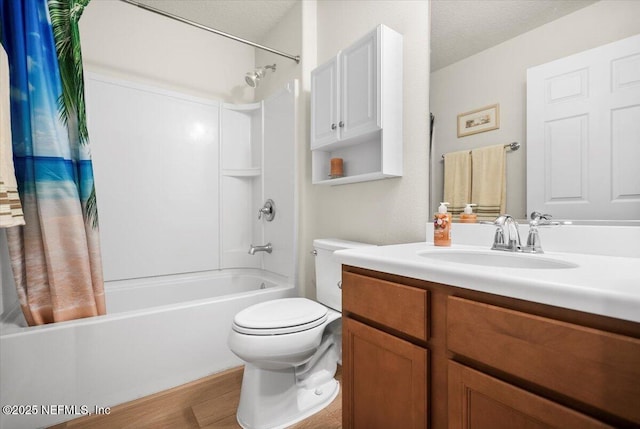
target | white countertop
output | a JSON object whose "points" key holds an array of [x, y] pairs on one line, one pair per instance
{"points": [[605, 285]]}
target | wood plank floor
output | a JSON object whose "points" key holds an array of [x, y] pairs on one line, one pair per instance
{"points": [[207, 403]]}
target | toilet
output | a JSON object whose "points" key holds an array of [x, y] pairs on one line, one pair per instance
{"points": [[291, 348]]}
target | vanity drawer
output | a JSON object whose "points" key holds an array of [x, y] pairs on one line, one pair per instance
{"points": [[399, 307], [595, 367]]}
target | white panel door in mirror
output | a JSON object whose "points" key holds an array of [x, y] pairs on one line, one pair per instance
{"points": [[583, 134]]}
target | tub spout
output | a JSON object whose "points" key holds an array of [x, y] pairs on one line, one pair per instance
{"points": [[266, 248]]}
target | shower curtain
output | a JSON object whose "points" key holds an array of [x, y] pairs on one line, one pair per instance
{"points": [[55, 257]]}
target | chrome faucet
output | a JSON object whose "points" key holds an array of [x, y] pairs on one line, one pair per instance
{"points": [[507, 236], [266, 248]]}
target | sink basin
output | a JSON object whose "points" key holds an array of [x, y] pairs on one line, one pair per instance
{"points": [[494, 258]]}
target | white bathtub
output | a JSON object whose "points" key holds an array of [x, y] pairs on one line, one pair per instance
{"points": [[158, 333]]}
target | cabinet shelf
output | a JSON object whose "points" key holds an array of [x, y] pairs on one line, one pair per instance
{"points": [[353, 179]]}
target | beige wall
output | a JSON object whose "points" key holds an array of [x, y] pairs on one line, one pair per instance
{"points": [[124, 41], [498, 75], [383, 211]]}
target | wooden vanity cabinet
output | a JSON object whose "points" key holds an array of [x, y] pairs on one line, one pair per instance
{"points": [[424, 355], [385, 376]]}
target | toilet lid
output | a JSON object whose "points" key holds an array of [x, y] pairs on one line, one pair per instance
{"points": [[280, 316]]}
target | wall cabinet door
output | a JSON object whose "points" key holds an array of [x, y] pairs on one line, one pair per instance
{"points": [[384, 378], [324, 104], [479, 401], [344, 94], [359, 87]]}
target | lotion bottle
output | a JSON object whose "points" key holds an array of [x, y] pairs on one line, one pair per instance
{"points": [[468, 216], [442, 226]]}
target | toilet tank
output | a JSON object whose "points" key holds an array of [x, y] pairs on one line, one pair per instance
{"points": [[329, 272]]}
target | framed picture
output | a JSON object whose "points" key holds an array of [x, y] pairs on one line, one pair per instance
{"points": [[479, 120]]}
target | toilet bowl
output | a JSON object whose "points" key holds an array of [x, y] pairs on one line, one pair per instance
{"points": [[291, 348]]}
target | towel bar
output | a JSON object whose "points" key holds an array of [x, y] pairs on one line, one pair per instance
{"points": [[511, 146]]}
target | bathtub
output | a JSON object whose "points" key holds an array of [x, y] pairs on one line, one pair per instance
{"points": [[158, 333]]}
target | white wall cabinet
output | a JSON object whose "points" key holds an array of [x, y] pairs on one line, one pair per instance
{"points": [[356, 110]]}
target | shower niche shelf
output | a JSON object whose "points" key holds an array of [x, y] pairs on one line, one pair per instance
{"points": [[356, 110], [241, 143], [242, 172]]}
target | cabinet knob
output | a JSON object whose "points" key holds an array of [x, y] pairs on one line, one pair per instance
{"points": [[333, 126], [341, 124]]}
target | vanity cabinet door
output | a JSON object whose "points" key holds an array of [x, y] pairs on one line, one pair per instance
{"points": [[384, 380], [479, 401]]}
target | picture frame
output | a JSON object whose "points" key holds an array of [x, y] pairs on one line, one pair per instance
{"points": [[479, 120]]}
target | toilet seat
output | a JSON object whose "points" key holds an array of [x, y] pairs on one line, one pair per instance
{"points": [[280, 316]]}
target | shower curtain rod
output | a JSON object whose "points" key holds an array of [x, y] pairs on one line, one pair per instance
{"points": [[295, 58]]}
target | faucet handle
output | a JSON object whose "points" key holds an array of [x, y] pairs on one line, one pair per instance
{"points": [[539, 219], [268, 210], [537, 216]]}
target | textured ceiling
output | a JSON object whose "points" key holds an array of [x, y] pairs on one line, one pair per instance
{"points": [[459, 28]]}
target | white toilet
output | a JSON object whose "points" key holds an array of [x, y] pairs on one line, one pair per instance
{"points": [[291, 348]]}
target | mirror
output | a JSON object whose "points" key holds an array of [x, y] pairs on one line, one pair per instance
{"points": [[487, 65]]}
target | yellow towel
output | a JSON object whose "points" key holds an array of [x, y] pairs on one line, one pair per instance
{"points": [[457, 180], [488, 181], [10, 207]]}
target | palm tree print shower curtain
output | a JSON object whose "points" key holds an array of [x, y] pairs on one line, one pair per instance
{"points": [[55, 257]]}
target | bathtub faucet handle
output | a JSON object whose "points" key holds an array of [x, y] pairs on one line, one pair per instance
{"points": [[268, 210]]}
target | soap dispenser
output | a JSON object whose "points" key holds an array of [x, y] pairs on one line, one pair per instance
{"points": [[468, 216], [442, 226]]}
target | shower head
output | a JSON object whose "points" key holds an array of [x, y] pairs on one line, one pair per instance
{"points": [[253, 78]]}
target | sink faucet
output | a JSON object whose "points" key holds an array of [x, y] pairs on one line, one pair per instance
{"points": [[507, 236], [266, 248]]}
